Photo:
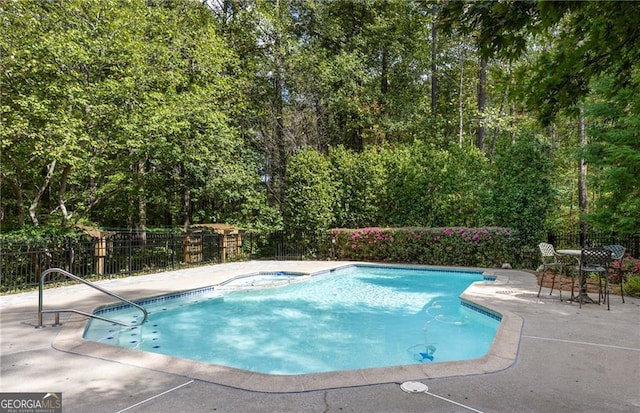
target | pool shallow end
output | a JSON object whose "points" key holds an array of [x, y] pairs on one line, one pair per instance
{"points": [[502, 354]]}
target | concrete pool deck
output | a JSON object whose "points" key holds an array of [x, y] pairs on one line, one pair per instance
{"points": [[550, 356]]}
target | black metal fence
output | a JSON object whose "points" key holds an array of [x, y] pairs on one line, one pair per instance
{"points": [[123, 253], [573, 239], [290, 245], [118, 254]]}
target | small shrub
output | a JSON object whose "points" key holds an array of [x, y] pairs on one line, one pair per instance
{"points": [[631, 271], [632, 286]]}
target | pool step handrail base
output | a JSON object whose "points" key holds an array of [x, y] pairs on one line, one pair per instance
{"points": [[57, 311]]}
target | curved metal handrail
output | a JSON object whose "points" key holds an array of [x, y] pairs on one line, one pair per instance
{"points": [[72, 310]]}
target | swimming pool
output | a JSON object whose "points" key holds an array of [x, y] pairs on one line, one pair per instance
{"points": [[351, 318]]}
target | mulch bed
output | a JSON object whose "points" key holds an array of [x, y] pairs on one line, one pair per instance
{"points": [[563, 282]]}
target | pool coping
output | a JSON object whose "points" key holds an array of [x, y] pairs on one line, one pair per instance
{"points": [[502, 354]]}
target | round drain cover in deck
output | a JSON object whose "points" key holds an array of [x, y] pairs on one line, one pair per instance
{"points": [[414, 387]]}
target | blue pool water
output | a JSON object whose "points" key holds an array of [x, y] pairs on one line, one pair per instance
{"points": [[352, 318]]}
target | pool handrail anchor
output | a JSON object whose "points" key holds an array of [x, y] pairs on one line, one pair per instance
{"points": [[57, 311]]}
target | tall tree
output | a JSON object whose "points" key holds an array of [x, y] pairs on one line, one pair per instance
{"points": [[65, 84], [614, 153], [127, 101], [434, 63], [588, 40], [582, 169]]}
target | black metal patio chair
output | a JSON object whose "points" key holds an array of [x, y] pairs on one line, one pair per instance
{"points": [[617, 254], [594, 261]]}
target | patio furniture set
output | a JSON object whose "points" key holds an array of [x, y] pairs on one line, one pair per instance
{"points": [[596, 261]]}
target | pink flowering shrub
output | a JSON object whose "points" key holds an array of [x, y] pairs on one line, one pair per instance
{"points": [[482, 247], [629, 265], [371, 243]]}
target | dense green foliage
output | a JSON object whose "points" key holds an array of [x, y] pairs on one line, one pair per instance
{"points": [[309, 196], [632, 285], [522, 195], [409, 185], [307, 114], [629, 268], [119, 114], [616, 155], [431, 186], [584, 54], [361, 183]]}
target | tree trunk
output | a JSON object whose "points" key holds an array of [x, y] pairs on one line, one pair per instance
{"points": [[496, 130], [384, 72], [461, 99], [582, 176], [61, 192], [280, 167], [186, 201], [142, 203], [512, 112], [482, 98], [434, 64], [36, 200], [93, 200]]}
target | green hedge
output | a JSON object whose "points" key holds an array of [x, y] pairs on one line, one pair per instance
{"points": [[476, 247]]}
